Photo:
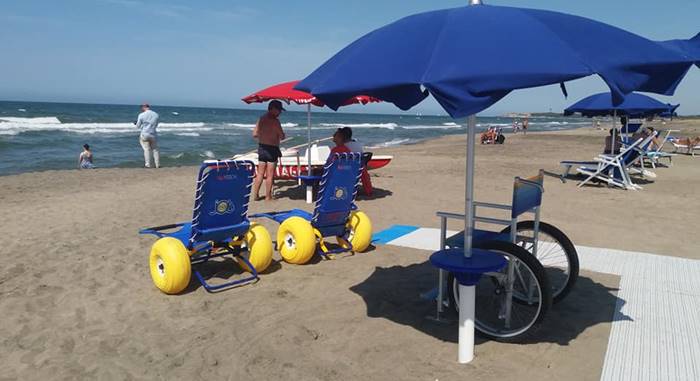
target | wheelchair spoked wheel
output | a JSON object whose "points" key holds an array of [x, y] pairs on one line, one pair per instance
{"points": [[359, 231], [509, 308], [170, 265], [556, 253], [259, 248], [296, 240]]}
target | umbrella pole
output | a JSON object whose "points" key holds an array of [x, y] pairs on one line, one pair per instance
{"points": [[612, 144], [467, 300], [309, 188]]}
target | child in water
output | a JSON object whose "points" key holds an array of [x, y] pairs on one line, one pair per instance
{"points": [[85, 158]]}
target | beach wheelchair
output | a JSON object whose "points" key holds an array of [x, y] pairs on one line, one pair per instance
{"points": [[542, 265], [219, 227], [335, 215]]}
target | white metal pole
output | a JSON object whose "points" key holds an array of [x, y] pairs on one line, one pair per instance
{"points": [[612, 145], [467, 294], [467, 297], [469, 191], [308, 139], [309, 188]]}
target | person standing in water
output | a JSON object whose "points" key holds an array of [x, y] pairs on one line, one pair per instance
{"points": [[85, 158], [147, 122], [525, 123], [268, 131]]}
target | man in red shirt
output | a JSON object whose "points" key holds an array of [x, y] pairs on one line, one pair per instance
{"points": [[340, 137]]}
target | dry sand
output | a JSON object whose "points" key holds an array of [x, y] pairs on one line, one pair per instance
{"points": [[77, 302]]}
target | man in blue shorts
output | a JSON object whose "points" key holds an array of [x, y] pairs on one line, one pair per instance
{"points": [[269, 133]]}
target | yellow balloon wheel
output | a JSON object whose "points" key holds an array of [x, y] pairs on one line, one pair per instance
{"points": [[296, 240], [259, 245], [359, 231], [170, 265]]}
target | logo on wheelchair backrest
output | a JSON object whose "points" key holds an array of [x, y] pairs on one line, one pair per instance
{"points": [[226, 177], [339, 194], [222, 207], [344, 167]]}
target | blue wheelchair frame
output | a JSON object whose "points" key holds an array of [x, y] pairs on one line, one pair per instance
{"points": [[336, 200], [219, 218], [527, 198]]}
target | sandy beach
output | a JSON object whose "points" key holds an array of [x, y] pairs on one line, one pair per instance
{"points": [[77, 301]]}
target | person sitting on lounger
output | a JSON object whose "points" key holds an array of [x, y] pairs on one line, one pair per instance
{"points": [[489, 136], [644, 133], [608, 142], [340, 137]]}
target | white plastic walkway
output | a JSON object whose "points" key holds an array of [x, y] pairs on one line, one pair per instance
{"points": [[655, 331]]}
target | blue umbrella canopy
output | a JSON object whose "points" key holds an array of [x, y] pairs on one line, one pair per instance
{"points": [[470, 57], [689, 47], [635, 106]]}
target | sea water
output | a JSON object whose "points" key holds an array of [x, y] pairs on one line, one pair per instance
{"points": [[42, 136]]}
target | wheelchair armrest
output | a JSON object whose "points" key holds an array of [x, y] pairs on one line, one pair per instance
{"points": [[454, 216], [494, 206]]}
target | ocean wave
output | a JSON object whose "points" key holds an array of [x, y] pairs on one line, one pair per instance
{"points": [[193, 134], [38, 120], [444, 126], [14, 126], [251, 125], [389, 126], [391, 143]]}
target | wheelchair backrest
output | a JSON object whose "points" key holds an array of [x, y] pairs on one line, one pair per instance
{"points": [[336, 194], [221, 200], [527, 194]]}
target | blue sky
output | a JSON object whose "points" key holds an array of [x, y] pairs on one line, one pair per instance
{"points": [[213, 52]]}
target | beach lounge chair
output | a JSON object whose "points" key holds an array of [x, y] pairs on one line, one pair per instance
{"points": [[611, 169], [655, 155], [680, 147], [335, 214], [219, 227]]}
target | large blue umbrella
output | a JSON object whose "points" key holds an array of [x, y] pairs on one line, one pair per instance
{"points": [[689, 47], [634, 106], [470, 57]]}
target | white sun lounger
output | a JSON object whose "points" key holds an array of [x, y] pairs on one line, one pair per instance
{"points": [[684, 148], [619, 165]]}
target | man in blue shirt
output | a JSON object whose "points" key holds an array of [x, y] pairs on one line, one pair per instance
{"points": [[147, 122]]}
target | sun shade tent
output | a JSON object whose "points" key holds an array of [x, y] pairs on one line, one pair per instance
{"points": [[470, 57]]}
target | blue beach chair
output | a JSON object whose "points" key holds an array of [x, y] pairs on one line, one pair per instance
{"points": [[219, 227], [335, 214]]}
